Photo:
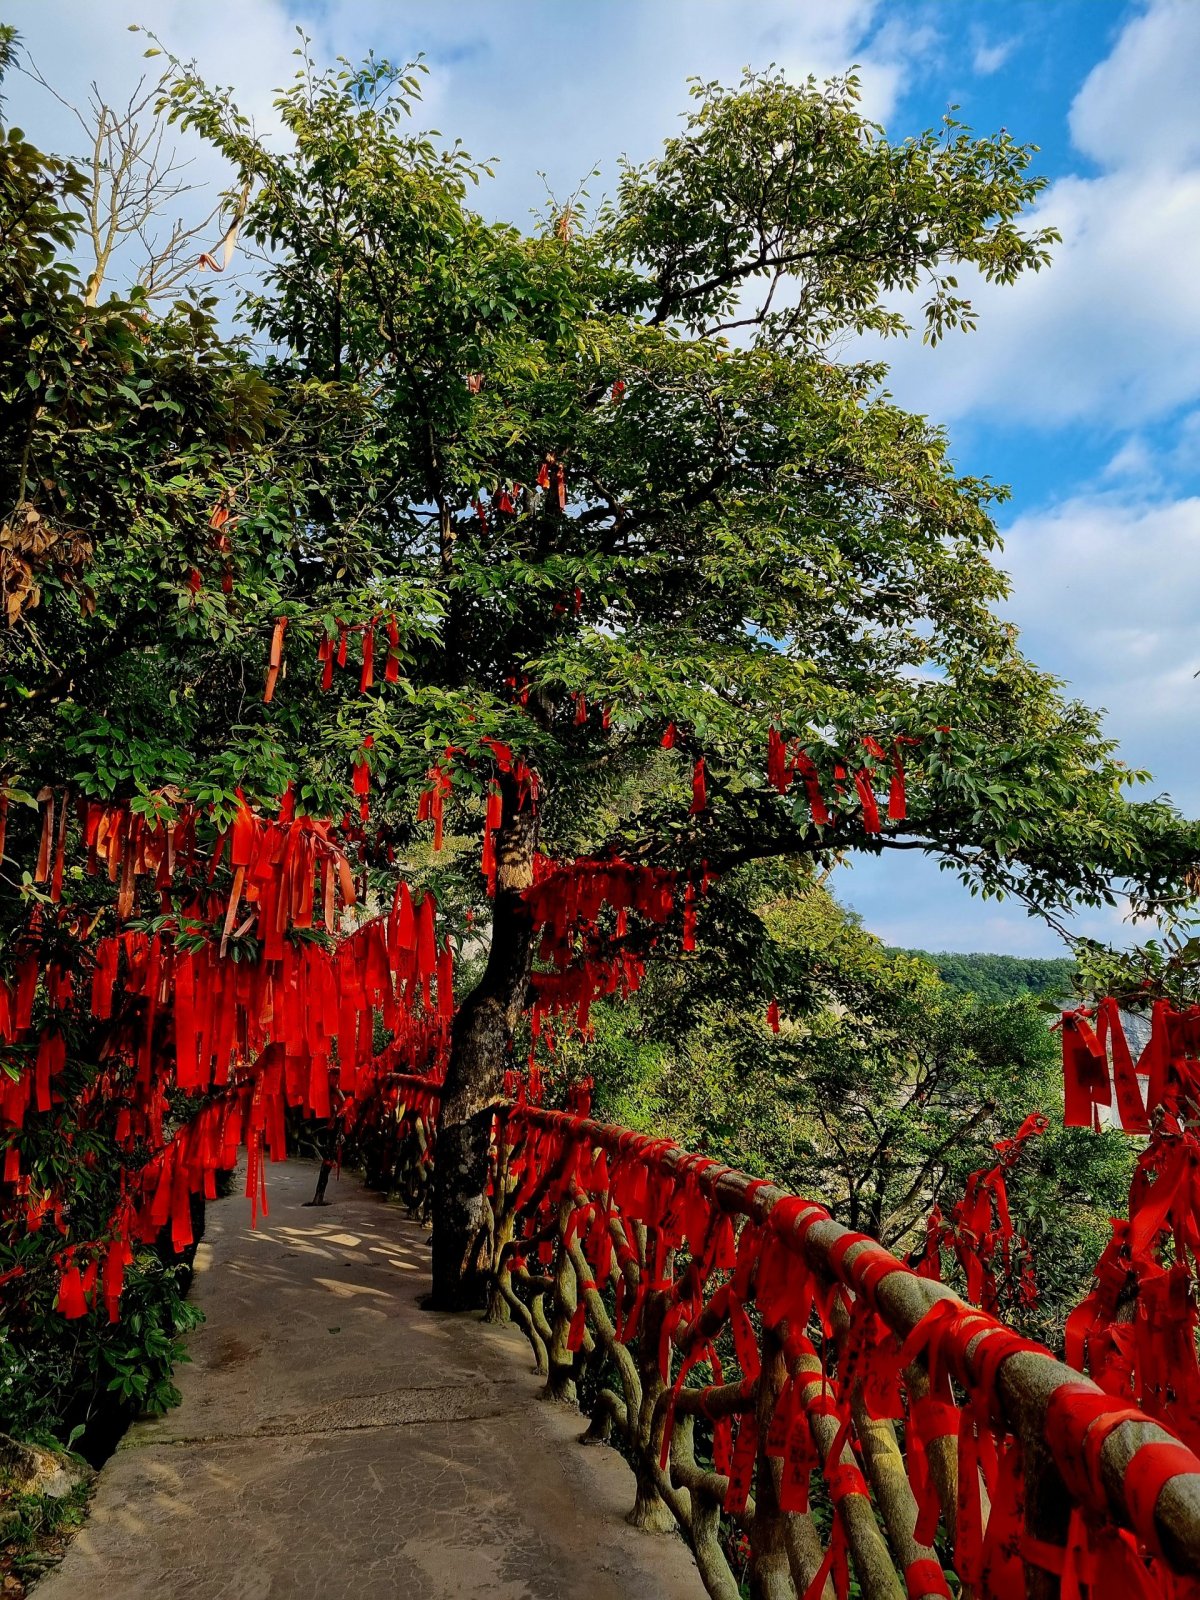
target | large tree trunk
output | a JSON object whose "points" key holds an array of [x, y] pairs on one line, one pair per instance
{"points": [[479, 1052]]}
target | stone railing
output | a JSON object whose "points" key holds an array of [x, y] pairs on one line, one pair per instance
{"points": [[798, 1403]]}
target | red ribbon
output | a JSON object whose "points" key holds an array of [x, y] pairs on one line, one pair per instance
{"points": [[276, 659]]}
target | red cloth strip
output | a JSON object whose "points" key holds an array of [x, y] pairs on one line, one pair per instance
{"points": [[923, 1578], [1153, 1466]]}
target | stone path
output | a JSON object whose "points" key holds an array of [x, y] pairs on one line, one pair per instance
{"points": [[336, 1440]]}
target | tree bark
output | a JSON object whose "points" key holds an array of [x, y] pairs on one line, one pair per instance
{"points": [[483, 1032]]}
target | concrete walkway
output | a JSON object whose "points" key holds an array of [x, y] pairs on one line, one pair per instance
{"points": [[336, 1440]]}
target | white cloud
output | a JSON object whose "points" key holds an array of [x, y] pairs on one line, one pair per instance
{"points": [[989, 58], [1185, 452], [1138, 107], [545, 88], [1111, 332], [1107, 591], [247, 42], [597, 81], [1134, 461]]}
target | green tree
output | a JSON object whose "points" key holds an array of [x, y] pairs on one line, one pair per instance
{"points": [[604, 476], [882, 1092], [994, 977]]}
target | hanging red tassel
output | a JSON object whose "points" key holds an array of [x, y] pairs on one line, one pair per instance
{"points": [[51, 1058], [325, 657], [1130, 1107], [575, 1330], [779, 770], [870, 807], [367, 677], [429, 806], [60, 852], [699, 789], [492, 820], [276, 660], [773, 1016], [897, 797], [543, 476], [1085, 1072], [71, 1299], [402, 930], [689, 916], [46, 801], [426, 945], [741, 1468], [362, 779], [580, 710], [897, 809], [806, 767], [391, 672], [668, 739], [118, 1256]]}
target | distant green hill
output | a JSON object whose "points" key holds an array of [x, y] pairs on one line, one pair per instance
{"points": [[1001, 977]]}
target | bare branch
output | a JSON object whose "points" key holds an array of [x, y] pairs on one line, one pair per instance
{"points": [[133, 183]]}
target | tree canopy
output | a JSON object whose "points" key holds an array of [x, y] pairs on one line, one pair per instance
{"points": [[755, 534]]}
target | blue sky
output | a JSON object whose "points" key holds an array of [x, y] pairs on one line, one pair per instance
{"points": [[1081, 388]]}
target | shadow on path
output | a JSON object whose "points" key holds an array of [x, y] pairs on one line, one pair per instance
{"points": [[336, 1440]]}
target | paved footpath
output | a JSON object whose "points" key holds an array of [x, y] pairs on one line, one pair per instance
{"points": [[335, 1440]]}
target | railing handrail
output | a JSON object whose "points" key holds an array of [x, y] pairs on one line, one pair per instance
{"points": [[1020, 1382], [903, 1298]]}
